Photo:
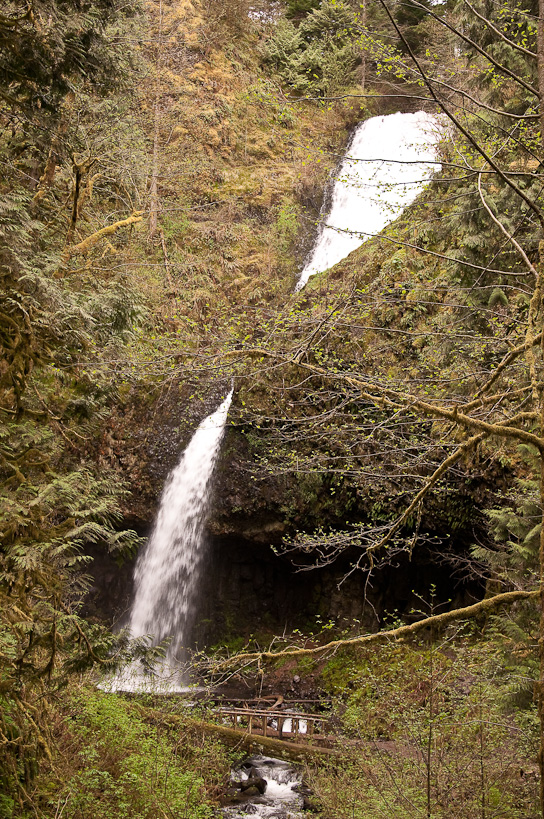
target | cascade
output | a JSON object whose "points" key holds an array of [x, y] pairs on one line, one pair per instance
{"points": [[388, 163], [167, 573], [281, 798]]}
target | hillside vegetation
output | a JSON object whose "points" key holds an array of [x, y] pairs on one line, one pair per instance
{"points": [[165, 169]]}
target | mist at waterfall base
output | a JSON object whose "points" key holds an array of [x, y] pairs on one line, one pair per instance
{"points": [[167, 572], [388, 163]]}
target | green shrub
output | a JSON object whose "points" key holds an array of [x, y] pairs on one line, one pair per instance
{"points": [[433, 738], [125, 768]]}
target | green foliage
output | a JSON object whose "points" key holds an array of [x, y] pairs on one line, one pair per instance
{"points": [[415, 24], [64, 327], [339, 671], [54, 313], [319, 57], [512, 561], [434, 739], [45, 47], [123, 766], [516, 527], [45, 525], [25, 333], [299, 8], [287, 225], [518, 25]]}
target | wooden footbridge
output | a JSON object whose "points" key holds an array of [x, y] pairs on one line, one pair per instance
{"points": [[274, 723]]}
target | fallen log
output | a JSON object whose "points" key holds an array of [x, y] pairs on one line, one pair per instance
{"points": [[253, 744]]}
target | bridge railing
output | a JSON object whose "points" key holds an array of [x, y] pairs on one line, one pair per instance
{"points": [[280, 724]]}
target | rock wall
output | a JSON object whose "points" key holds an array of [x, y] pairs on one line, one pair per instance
{"points": [[248, 587]]}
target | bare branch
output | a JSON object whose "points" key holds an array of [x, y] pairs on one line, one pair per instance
{"points": [[499, 33], [508, 235], [437, 474]]}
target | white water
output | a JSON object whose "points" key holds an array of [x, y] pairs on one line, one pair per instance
{"points": [[388, 163], [167, 572], [287, 725], [279, 801]]}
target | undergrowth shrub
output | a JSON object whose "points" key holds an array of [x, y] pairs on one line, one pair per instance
{"points": [[426, 733], [320, 55], [117, 765]]}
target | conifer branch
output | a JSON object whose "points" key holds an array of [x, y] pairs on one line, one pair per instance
{"points": [[499, 66], [499, 33]]}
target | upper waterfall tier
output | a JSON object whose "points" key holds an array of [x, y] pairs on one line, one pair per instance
{"points": [[388, 163]]}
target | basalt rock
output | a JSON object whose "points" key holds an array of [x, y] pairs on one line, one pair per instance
{"points": [[253, 785]]}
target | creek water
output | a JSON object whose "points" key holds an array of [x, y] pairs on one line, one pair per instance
{"points": [[280, 800], [168, 571], [389, 161]]}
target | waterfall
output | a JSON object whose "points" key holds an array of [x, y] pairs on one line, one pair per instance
{"points": [[388, 163], [167, 573]]}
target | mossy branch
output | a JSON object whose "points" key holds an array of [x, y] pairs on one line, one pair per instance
{"points": [[436, 621], [90, 241], [396, 399]]}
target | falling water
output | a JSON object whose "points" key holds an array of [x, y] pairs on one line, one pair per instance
{"points": [[167, 573], [388, 163]]}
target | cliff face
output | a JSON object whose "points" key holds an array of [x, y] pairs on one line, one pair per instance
{"points": [[238, 176], [249, 582]]}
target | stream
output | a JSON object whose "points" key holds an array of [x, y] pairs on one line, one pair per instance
{"points": [[278, 780]]}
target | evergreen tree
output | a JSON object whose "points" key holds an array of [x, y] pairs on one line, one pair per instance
{"points": [[47, 45]]}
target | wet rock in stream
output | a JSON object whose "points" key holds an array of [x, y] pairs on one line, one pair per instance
{"points": [[265, 787]]}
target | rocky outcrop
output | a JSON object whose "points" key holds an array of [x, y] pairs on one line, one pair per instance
{"points": [[248, 584]]}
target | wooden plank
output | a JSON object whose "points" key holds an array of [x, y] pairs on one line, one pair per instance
{"points": [[260, 712]]}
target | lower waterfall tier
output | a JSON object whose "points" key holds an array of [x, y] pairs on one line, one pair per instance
{"points": [[246, 588]]}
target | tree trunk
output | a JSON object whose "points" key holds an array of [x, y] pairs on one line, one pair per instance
{"points": [[363, 55], [153, 188], [540, 56], [541, 562]]}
